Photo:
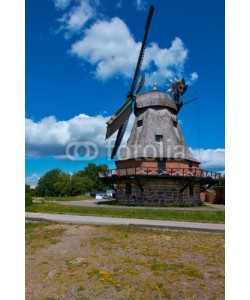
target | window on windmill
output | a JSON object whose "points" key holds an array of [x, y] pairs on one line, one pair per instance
{"points": [[139, 123], [175, 123], [159, 138], [128, 189]]}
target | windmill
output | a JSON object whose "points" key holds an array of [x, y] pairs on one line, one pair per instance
{"points": [[156, 167], [119, 120]]}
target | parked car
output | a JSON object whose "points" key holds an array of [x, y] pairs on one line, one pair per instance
{"points": [[101, 196]]}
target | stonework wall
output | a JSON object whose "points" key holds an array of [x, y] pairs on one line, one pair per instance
{"points": [[158, 192], [135, 163]]}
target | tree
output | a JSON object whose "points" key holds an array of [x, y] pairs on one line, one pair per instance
{"points": [[28, 199], [62, 185], [92, 171], [221, 181], [46, 184], [80, 184], [27, 188]]}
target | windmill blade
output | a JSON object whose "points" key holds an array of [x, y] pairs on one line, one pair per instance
{"points": [[142, 51], [140, 85], [119, 138], [118, 119]]}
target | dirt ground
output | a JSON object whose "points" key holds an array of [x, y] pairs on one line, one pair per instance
{"points": [[99, 262]]}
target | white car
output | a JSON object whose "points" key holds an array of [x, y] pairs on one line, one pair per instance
{"points": [[101, 196]]}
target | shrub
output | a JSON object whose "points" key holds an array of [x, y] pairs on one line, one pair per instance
{"points": [[28, 199]]}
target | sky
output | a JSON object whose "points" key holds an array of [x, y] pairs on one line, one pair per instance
{"points": [[79, 62]]}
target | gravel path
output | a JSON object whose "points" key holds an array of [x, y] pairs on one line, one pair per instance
{"points": [[91, 220]]}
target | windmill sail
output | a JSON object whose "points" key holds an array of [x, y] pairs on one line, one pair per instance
{"points": [[121, 117], [115, 122], [119, 138]]}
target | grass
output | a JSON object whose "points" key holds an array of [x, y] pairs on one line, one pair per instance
{"points": [[69, 198], [45, 235], [115, 203], [119, 262], [178, 215]]}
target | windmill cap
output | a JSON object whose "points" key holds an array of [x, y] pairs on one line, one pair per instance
{"points": [[155, 98]]}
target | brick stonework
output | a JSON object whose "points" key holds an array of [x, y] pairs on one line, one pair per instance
{"points": [[158, 192], [135, 163]]}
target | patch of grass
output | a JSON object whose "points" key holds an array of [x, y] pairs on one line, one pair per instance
{"points": [[178, 215], [157, 265], [115, 203], [39, 234], [80, 288], [69, 198]]}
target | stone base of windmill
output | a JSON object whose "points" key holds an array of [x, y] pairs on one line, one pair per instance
{"points": [[158, 192]]}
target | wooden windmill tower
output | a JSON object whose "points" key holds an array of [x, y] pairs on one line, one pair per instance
{"points": [[156, 167]]}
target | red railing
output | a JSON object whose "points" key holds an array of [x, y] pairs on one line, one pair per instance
{"points": [[154, 171]]}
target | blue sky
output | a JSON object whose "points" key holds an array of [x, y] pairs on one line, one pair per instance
{"points": [[75, 78]]}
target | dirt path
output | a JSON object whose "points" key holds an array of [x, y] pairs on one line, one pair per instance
{"points": [[92, 262]]}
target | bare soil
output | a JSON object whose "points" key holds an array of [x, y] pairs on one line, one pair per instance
{"points": [[89, 262]]}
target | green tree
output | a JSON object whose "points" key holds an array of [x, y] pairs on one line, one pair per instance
{"points": [[80, 184], [46, 184], [27, 188], [62, 185], [92, 171], [221, 181], [28, 199]]}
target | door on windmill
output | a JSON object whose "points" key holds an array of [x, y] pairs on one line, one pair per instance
{"points": [[161, 166]]}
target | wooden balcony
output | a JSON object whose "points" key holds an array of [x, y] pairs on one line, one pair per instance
{"points": [[156, 172]]}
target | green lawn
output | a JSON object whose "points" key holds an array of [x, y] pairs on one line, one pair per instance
{"points": [[153, 214], [69, 198]]}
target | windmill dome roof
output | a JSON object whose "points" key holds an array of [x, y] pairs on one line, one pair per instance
{"points": [[155, 98]]}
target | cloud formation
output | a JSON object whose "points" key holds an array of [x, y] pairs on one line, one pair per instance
{"points": [[49, 137], [211, 159], [73, 21], [110, 48], [62, 4], [140, 4], [33, 179]]}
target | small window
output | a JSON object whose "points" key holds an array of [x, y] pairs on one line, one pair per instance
{"points": [[159, 138], [190, 164], [175, 123], [139, 123], [128, 189]]}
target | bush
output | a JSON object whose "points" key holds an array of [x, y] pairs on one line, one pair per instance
{"points": [[28, 199]]}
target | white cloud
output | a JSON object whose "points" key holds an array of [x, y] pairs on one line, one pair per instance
{"points": [[109, 46], [33, 179], [193, 77], [74, 20], [140, 4], [62, 4], [49, 137], [168, 62], [111, 49], [211, 159]]}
